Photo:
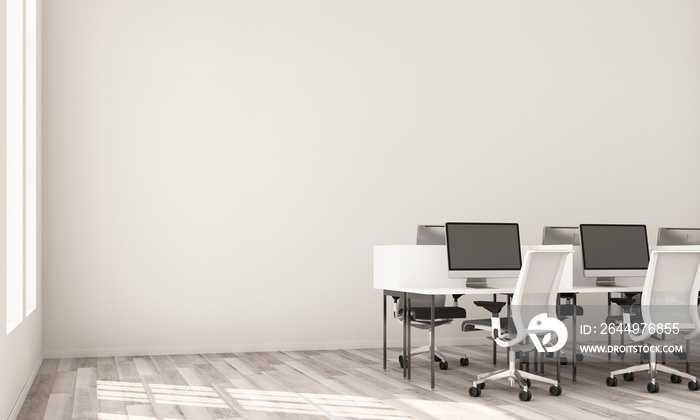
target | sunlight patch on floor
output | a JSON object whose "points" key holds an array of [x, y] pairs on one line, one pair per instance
{"points": [[133, 392], [454, 409], [281, 402], [195, 396], [315, 404]]}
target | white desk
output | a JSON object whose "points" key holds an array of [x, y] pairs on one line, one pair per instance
{"points": [[404, 271], [604, 289], [422, 292], [406, 294]]}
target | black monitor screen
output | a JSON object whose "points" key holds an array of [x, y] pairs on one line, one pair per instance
{"points": [[616, 247], [483, 246]]}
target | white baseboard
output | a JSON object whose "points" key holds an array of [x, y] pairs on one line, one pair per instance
{"points": [[246, 348], [25, 390]]}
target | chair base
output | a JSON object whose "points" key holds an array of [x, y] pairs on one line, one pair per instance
{"points": [[516, 377], [439, 357], [652, 367], [426, 349]]}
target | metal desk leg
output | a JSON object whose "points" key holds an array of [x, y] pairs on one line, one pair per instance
{"points": [[508, 314], [558, 356], [574, 355], [432, 342], [663, 354], [403, 336], [495, 347], [609, 335], [384, 340], [407, 348]]}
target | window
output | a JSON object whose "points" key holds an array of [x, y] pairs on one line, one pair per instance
{"points": [[30, 155], [21, 160]]}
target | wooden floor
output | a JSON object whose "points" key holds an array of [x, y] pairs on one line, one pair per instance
{"points": [[330, 384]]}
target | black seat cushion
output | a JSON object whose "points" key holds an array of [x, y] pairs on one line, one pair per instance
{"points": [[568, 310], [626, 301], [618, 319], [441, 312]]}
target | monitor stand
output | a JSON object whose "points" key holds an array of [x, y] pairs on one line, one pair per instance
{"points": [[605, 282], [477, 283]]}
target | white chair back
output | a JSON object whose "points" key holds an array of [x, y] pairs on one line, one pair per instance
{"points": [[671, 288], [538, 286]]}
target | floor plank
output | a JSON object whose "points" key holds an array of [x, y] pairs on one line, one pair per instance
{"points": [[342, 384]]}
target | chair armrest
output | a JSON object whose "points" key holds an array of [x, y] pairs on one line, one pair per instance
{"points": [[396, 306], [495, 309], [468, 326], [624, 303], [491, 306]]}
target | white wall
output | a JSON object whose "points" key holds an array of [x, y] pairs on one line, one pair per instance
{"points": [[21, 350], [217, 172]]}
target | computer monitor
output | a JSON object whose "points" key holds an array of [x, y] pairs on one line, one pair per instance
{"points": [[611, 251], [678, 236], [561, 235], [431, 235], [477, 251]]}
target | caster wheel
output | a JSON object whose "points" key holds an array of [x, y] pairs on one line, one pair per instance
{"points": [[652, 388], [675, 379], [481, 385], [628, 377], [401, 361], [611, 381], [549, 354], [563, 361], [682, 355], [525, 395], [579, 357], [464, 361], [555, 390], [443, 365], [693, 385], [474, 391]]}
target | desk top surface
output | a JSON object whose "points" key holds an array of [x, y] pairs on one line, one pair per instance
{"points": [[507, 290], [606, 289], [453, 290]]}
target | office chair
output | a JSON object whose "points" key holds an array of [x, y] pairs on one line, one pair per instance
{"points": [[420, 309], [569, 310], [533, 304], [420, 319], [629, 310], [564, 311], [669, 298]]}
